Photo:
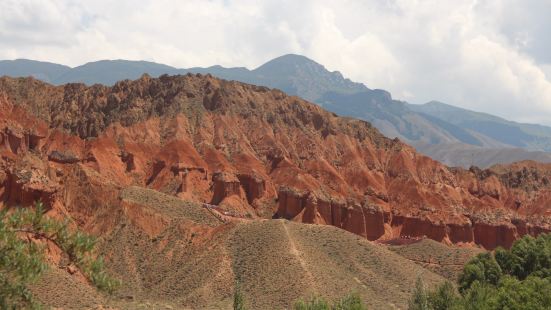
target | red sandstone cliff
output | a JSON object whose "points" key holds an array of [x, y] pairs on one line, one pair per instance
{"points": [[254, 152]]}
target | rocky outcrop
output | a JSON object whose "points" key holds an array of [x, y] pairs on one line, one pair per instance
{"points": [[24, 185], [373, 223], [492, 235], [225, 185], [17, 140], [63, 157], [253, 152], [4, 191], [254, 186]]}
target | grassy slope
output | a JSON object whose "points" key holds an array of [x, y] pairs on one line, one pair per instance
{"points": [[191, 265], [447, 261], [279, 261]]}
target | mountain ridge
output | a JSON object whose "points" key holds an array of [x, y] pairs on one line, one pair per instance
{"points": [[198, 124], [433, 124]]}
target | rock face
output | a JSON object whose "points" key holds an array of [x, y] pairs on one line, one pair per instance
{"points": [[252, 151]]}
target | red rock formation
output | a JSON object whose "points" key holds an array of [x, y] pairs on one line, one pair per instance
{"points": [[248, 149], [225, 185], [254, 186]]}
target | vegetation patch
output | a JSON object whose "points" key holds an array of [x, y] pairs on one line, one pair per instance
{"points": [[519, 278], [23, 234]]}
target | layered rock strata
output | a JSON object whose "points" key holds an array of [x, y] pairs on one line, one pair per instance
{"points": [[252, 151]]}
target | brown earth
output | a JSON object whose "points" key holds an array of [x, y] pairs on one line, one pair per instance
{"points": [[442, 259], [278, 262], [191, 264], [245, 152]]}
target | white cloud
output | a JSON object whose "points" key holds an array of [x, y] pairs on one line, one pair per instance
{"points": [[490, 56], [547, 71]]}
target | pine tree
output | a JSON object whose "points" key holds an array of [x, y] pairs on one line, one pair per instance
{"points": [[22, 259]]}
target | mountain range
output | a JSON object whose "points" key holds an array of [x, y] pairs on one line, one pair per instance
{"points": [[197, 187], [452, 135]]}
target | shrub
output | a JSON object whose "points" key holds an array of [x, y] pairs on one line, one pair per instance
{"points": [[351, 301], [419, 299], [480, 296], [238, 300], [483, 268], [519, 278], [527, 256], [443, 298], [316, 303], [532, 293]]}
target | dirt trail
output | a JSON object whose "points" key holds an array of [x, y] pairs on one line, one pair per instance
{"points": [[297, 254], [435, 263]]}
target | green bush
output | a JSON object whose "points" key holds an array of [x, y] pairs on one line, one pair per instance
{"points": [[316, 303], [420, 298], [526, 257], [519, 278], [238, 299], [480, 296], [483, 268], [350, 302], [444, 297], [22, 259]]}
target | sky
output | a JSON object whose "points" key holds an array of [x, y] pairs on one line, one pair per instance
{"points": [[491, 56]]}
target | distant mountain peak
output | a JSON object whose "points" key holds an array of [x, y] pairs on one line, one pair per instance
{"points": [[300, 75], [300, 61], [435, 102], [292, 73], [383, 94], [426, 124], [292, 59], [42, 70], [290, 62]]}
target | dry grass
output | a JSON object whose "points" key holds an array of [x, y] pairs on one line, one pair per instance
{"points": [[193, 265], [169, 206], [447, 261], [58, 289], [278, 262]]}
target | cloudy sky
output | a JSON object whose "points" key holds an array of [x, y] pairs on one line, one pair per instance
{"points": [[492, 56]]}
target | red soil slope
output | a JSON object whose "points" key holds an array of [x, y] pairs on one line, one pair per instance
{"points": [[252, 151]]}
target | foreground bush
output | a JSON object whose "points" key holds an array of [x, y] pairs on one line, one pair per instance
{"points": [[349, 302], [519, 278], [22, 260], [238, 299]]}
